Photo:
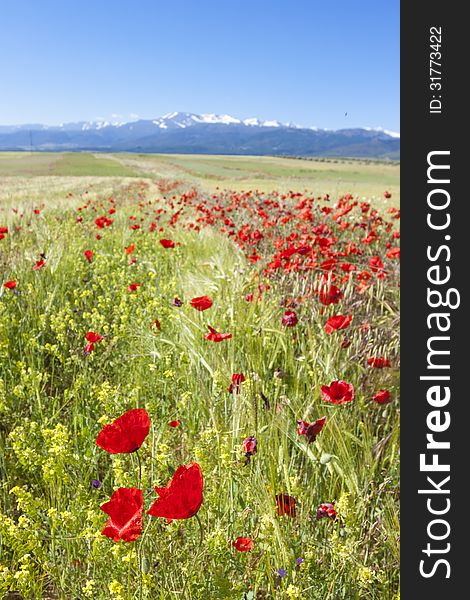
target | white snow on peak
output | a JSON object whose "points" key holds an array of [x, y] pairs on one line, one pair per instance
{"points": [[393, 134], [251, 121], [212, 118], [171, 115], [270, 124]]}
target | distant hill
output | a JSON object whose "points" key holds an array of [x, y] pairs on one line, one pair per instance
{"points": [[186, 133]]}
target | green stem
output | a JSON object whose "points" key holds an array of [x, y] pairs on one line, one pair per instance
{"points": [[201, 530]]}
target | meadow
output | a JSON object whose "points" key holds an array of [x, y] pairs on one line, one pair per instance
{"points": [[211, 339]]}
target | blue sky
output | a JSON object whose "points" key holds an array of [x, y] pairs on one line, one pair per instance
{"points": [[294, 60]]}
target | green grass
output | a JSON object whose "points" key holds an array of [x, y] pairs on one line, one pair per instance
{"points": [[364, 179], [14, 164], [54, 399]]}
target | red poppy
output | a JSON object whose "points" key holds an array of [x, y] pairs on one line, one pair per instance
{"points": [[337, 322], [125, 515], [237, 380], [3, 230], [10, 285], [39, 264], [285, 505], [126, 433], [326, 510], [174, 423], [338, 392], [330, 294], [289, 318], [378, 362], [387, 194], [167, 243], [133, 287], [243, 544], [130, 249], [182, 496], [376, 264], [88, 255], [250, 445], [201, 303], [382, 397], [310, 431], [93, 337], [213, 336], [393, 253]]}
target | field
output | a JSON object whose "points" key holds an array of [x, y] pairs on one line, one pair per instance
{"points": [[244, 325]]}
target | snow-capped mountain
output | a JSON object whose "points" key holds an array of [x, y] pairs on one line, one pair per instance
{"points": [[208, 133]]}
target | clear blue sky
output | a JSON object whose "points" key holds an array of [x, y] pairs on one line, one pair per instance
{"points": [[306, 61]]}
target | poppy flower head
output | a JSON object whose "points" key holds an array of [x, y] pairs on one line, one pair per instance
{"points": [[93, 337], [382, 397], [214, 336], [174, 423], [326, 510], [133, 287], [201, 303], [310, 431], [39, 264], [330, 294], [167, 243], [10, 285], [250, 446], [289, 318], [338, 392], [378, 362], [88, 254], [285, 505], [182, 496], [337, 322], [237, 380], [126, 434], [243, 544], [125, 515]]}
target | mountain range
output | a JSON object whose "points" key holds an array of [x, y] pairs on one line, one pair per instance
{"points": [[182, 132]]}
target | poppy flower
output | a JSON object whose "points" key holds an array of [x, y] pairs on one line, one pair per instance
{"points": [[337, 322], [125, 515], [289, 318], [174, 423], [376, 264], [93, 337], [88, 254], [39, 264], [310, 431], [243, 544], [201, 303], [130, 249], [285, 505], [237, 380], [133, 287], [387, 194], [382, 397], [214, 336], [167, 243], [378, 362], [338, 392], [326, 510], [126, 433], [393, 253], [330, 295], [182, 496], [10, 285]]}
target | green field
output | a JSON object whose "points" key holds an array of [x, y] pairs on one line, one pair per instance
{"points": [[119, 247], [364, 179]]}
